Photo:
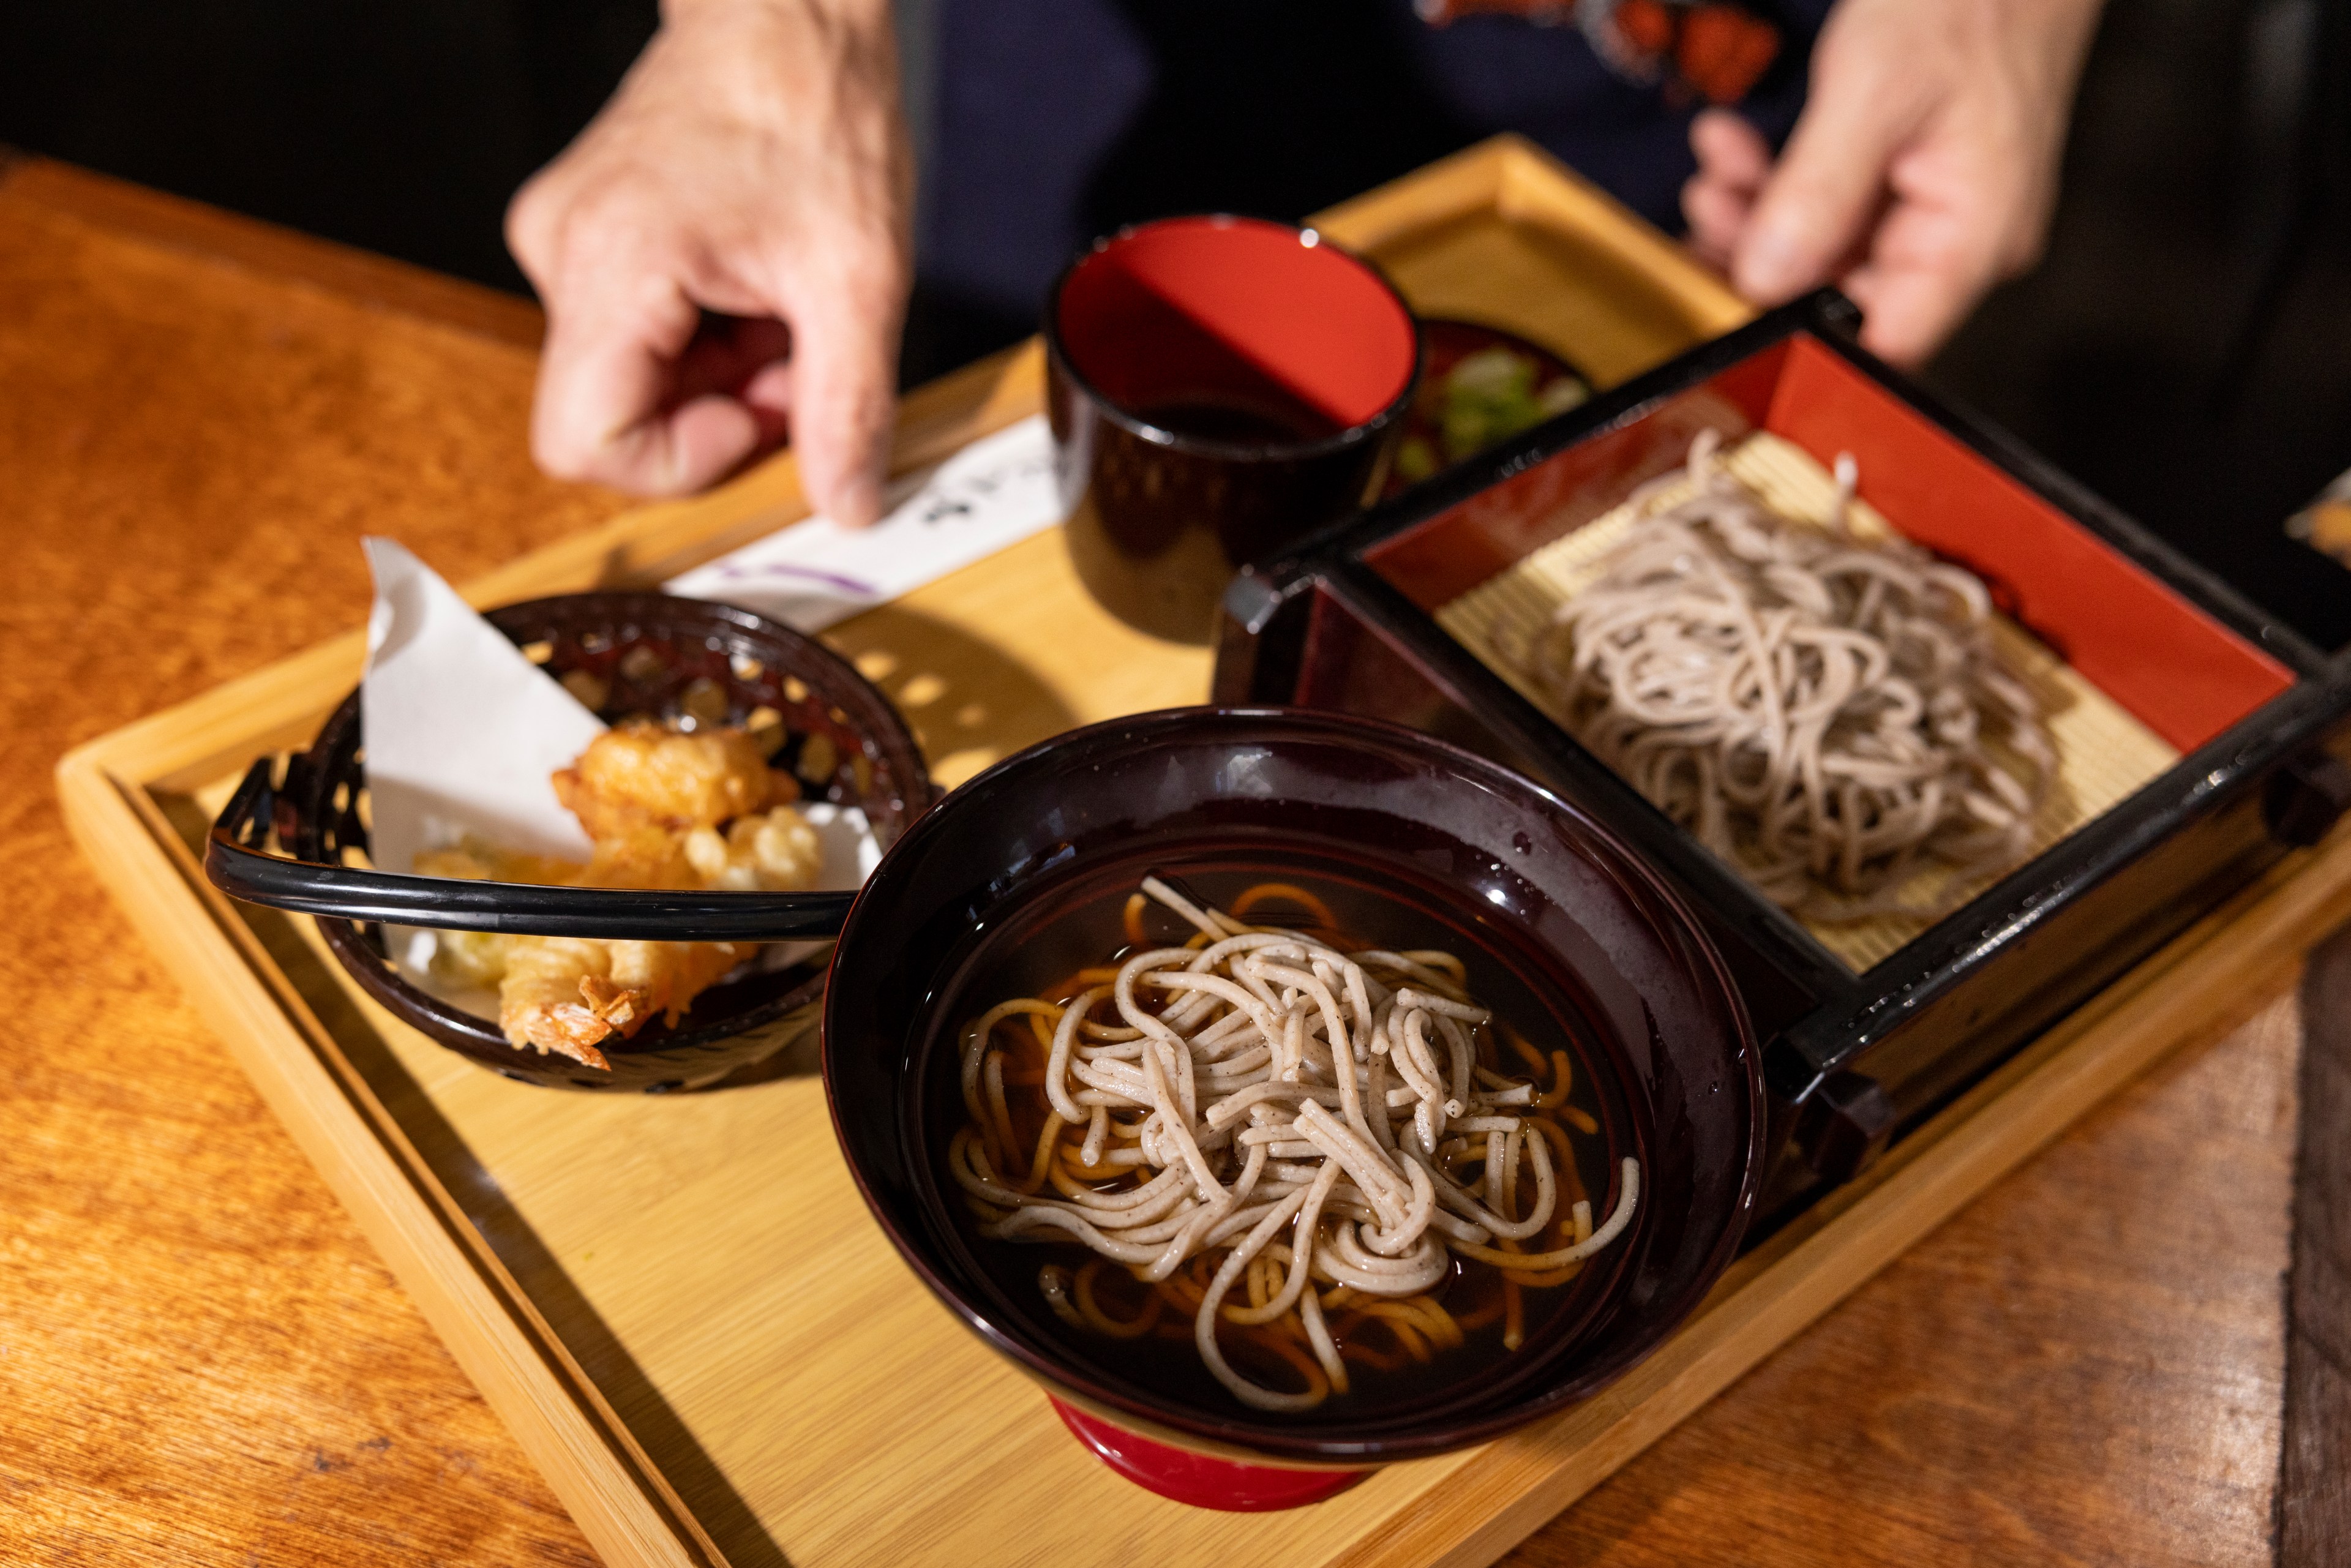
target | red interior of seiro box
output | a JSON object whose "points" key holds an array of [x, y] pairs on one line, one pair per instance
{"points": [[2177, 670]]}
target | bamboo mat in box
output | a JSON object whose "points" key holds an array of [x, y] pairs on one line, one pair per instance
{"points": [[2104, 753]]}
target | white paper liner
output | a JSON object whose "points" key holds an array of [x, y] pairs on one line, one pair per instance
{"points": [[462, 731]]}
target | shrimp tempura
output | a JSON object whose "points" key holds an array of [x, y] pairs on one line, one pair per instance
{"points": [[666, 809], [643, 774]]}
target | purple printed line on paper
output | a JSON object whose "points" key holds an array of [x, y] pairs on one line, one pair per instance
{"points": [[832, 579]]}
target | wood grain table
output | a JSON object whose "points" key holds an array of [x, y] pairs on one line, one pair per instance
{"points": [[202, 1361]]}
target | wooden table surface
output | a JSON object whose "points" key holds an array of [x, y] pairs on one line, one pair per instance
{"points": [[202, 1361]]}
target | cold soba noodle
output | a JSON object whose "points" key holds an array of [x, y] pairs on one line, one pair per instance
{"points": [[1295, 1142], [1820, 709]]}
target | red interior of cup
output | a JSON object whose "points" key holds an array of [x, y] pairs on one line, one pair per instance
{"points": [[2164, 660], [1235, 313], [1199, 1479]]}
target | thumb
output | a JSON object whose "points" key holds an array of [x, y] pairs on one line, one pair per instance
{"points": [[844, 353], [1813, 212]]}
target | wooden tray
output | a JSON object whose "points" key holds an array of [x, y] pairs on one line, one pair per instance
{"points": [[678, 1303]]}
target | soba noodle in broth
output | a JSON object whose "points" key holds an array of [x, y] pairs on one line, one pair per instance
{"points": [[1821, 710], [1291, 1141]]}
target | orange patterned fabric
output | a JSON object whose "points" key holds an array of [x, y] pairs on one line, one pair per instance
{"points": [[1717, 51], [1723, 51]]}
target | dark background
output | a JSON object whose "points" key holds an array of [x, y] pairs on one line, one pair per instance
{"points": [[2185, 349]]}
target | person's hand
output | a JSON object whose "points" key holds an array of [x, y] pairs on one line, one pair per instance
{"points": [[1921, 172], [752, 166]]}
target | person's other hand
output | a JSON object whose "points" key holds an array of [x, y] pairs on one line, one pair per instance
{"points": [[723, 256], [1921, 172]]}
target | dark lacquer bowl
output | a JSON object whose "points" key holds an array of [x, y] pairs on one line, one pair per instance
{"points": [[642, 653], [1524, 884]]}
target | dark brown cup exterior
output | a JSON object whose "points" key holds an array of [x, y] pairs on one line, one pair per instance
{"points": [[1543, 888], [1159, 521], [651, 648]]}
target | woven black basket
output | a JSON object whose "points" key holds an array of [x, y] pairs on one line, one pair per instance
{"points": [[645, 654]]}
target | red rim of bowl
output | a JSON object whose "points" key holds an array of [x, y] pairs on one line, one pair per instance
{"points": [[1199, 1481]]}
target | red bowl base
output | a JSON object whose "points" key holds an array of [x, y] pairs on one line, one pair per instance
{"points": [[1197, 1480]]}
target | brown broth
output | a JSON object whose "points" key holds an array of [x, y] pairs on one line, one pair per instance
{"points": [[1084, 929]]}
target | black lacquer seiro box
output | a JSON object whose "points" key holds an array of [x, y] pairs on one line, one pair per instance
{"points": [[2198, 735]]}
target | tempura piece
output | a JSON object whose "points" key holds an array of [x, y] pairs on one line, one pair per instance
{"points": [[568, 994], [478, 959], [643, 856], [545, 998], [640, 775], [665, 977], [658, 805], [477, 860], [776, 852]]}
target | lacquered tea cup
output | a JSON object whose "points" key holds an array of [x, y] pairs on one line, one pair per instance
{"points": [[1218, 388]]}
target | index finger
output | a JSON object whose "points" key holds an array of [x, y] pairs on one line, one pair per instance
{"points": [[844, 351], [612, 345]]}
